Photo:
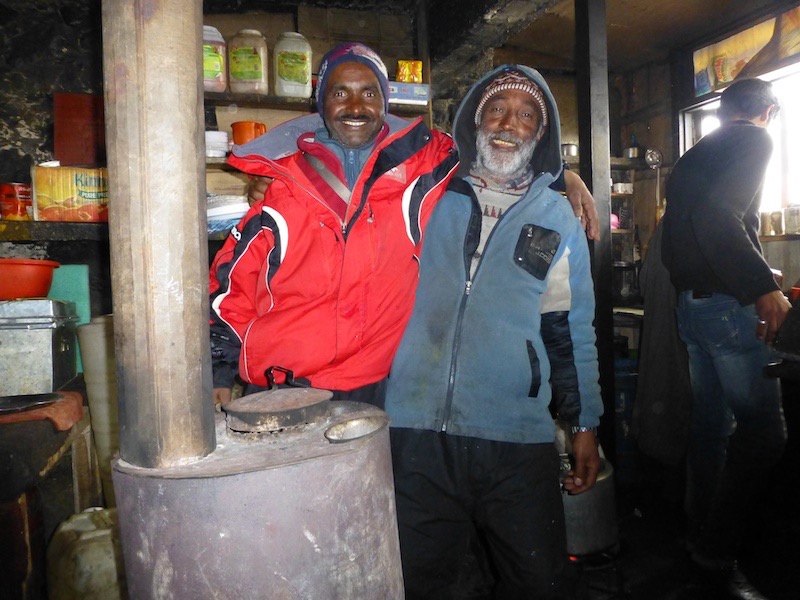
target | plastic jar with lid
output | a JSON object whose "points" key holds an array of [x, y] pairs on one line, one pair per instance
{"points": [[247, 63], [293, 66], [215, 77]]}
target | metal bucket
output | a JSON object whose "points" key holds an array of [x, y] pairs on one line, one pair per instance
{"points": [[591, 517], [301, 512]]}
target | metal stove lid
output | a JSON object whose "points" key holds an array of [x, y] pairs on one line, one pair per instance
{"points": [[277, 409]]}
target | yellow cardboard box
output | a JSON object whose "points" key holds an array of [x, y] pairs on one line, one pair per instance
{"points": [[69, 194]]}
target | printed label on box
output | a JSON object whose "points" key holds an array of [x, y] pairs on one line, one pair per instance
{"points": [[409, 93], [70, 194]]}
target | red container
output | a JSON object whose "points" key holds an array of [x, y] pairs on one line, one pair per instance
{"points": [[25, 277], [15, 202]]}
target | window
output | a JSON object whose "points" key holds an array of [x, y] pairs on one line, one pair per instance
{"points": [[782, 183]]}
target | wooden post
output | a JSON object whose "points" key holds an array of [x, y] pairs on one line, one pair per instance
{"points": [[152, 61]]}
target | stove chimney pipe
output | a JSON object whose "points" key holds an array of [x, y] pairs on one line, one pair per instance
{"points": [[152, 64]]}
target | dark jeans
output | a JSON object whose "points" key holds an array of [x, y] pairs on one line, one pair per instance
{"points": [[737, 426], [448, 486]]}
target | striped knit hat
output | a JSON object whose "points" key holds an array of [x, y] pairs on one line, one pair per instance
{"points": [[351, 52], [512, 80]]}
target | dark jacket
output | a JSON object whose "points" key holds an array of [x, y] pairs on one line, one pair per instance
{"points": [[711, 223], [477, 354]]}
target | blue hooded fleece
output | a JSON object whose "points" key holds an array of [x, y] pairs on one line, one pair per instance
{"points": [[484, 356]]}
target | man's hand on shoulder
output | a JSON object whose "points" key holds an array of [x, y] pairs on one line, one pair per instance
{"points": [[257, 188], [583, 204], [222, 395], [772, 309]]}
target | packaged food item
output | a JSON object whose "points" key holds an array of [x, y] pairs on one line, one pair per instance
{"points": [[293, 66], [247, 63], [69, 193], [409, 71], [409, 93], [215, 76], [15, 202]]}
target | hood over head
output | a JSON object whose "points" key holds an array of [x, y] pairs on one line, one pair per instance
{"points": [[547, 156]]}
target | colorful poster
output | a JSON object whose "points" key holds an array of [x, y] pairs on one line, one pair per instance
{"points": [[753, 51]]}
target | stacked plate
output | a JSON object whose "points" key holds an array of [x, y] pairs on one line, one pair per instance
{"points": [[216, 144]]}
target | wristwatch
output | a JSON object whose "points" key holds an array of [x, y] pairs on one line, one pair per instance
{"points": [[576, 429]]}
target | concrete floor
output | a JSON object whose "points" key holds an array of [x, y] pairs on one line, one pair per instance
{"points": [[651, 562]]}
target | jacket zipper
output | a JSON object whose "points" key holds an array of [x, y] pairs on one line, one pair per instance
{"points": [[456, 344], [342, 222], [457, 338]]}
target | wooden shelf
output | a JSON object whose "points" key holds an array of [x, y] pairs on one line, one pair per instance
{"points": [[618, 163], [259, 101], [779, 238], [298, 104], [51, 231]]}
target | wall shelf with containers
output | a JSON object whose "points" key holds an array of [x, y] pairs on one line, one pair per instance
{"points": [[51, 231], [625, 238]]}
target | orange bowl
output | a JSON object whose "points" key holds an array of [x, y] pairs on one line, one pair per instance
{"points": [[25, 277]]}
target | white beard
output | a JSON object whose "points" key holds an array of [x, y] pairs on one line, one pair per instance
{"points": [[503, 165]]}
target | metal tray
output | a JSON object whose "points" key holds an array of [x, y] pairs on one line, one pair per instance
{"points": [[13, 404]]}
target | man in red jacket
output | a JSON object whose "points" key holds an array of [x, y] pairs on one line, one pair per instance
{"points": [[319, 277]]}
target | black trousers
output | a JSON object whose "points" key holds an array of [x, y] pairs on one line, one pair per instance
{"points": [[450, 487]]}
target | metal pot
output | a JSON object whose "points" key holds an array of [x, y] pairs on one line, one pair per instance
{"points": [[632, 152], [591, 517], [569, 150]]}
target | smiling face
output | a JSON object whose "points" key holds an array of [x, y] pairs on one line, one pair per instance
{"points": [[354, 108], [507, 135]]}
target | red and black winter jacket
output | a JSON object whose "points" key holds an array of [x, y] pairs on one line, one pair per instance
{"points": [[296, 286]]}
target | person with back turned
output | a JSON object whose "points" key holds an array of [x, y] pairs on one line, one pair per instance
{"points": [[729, 311]]}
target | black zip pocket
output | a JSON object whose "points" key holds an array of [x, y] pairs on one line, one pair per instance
{"points": [[536, 248]]}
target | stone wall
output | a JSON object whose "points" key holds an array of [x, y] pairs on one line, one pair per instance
{"points": [[48, 47]]}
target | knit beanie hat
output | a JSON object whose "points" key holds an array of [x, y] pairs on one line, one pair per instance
{"points": [[351, 52], [512, 80]]}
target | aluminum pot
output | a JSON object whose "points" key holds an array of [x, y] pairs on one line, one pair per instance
{"points": [[632, 152], [591, 517], [569, 150]]}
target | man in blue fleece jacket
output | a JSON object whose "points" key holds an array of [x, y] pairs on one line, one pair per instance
{"points": [[502, 326]]}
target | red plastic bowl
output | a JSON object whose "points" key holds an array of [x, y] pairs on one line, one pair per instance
{"points": [[25, 277]]}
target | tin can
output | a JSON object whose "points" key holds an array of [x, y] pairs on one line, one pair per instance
{"points": [[15, 202], [791, 219], [765, 224], [776, 221]]}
